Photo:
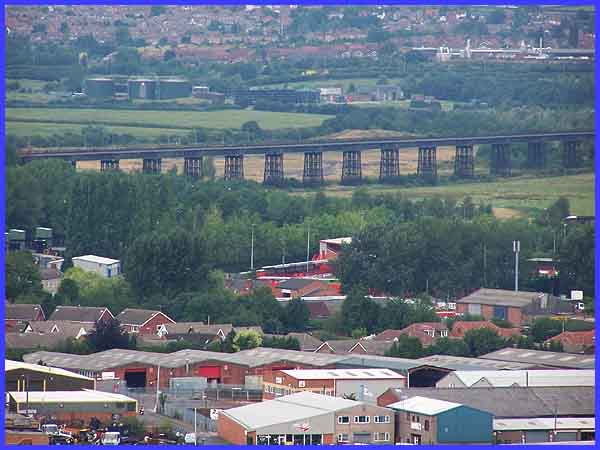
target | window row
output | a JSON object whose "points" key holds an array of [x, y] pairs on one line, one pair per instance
{"points": [[364, 419], [377, 437]]}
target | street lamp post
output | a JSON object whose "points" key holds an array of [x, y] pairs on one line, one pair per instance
{"points": [[516, 250], [308, 248], [252, 249]]}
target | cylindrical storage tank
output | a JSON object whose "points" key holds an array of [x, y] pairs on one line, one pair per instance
{"points": [[99, 87], [142, 89], [174, 89]]}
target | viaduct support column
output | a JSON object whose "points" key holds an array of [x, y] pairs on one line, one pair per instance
{"points": [[109, 164], [464, 162], [427, 167], [500, 160], [152, 165], [192, 167], [536, 158], [313, 168], [234, 167], [571, 155], [273, 169], [351, 167], [389, 164]]}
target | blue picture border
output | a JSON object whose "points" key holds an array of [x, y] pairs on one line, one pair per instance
{"points": [[263, 2]]}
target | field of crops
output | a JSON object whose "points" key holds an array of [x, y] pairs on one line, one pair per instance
{"points": [[39, 118]]}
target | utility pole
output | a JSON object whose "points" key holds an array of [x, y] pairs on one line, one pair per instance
{"points": [[156, 409], [484, 266], [516, 250], [308, 248], [195, 427], [252, 250]]}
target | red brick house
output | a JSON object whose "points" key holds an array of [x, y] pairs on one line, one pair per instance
{"points": [[300, 287], [426, 332], [18, 315], [89, 314], [142, 321], [461, 327], [575, 341]]}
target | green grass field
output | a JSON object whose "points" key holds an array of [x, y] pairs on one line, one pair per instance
{"points": [[177, 119], [510, 198], [26, 129]]}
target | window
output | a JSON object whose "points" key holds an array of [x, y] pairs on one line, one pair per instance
{"points": [[362, 419], [343, 419], [381, 437], [135, 328], [120, 405], [382, 419], [444, 333], [427, 425], [131, 406], [342, 437], [301, 383]]}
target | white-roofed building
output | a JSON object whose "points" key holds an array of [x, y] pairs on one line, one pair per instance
{"points": [[105, 267], [69, 406], [522, 378], [428, 421], [306, 418], [360, 384], [544, 429]]}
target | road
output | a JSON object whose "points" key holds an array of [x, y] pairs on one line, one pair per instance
{"points": [[151, 420]]}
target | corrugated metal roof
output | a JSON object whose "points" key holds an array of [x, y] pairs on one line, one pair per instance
{"points": [[501, 297], [424, 405], [84, 396], [341, 374], [562, 423], [540, 357], [15, 365], [528, 378], [463, 363], [299, 406]]}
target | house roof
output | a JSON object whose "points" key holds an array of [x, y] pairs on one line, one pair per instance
{"points": [[575, 337], [539, 357], [64, 327], [197, 327], [513, 402], [343, 374], [308, 343], [390, 334], [293, 284], [21, 311], [10, 365], [131, 316], [50, 274], [79, 313], [373, 347], [424, 405], [527, 378], [33, 340], [501, 297], [318, 309], [96, 259], [467, 325], [340, 346]]}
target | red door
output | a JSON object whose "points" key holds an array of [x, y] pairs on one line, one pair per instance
{"points": [[210, 372]]}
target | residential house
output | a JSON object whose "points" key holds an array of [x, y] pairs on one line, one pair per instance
{"points": [[33, 341], [338, 346], [66, 329], [460, 327], [306, 418], [142, 321], [575, 341], [88, 314], [51, 279], [308, 343], [105, 267], [300, 287], [426, 332], [16, 315], [421, 420]]}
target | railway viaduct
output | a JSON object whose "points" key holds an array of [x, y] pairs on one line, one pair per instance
{"points": [[389, 168]]}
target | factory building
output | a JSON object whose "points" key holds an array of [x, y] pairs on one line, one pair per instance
{"points": [[21, 377]]}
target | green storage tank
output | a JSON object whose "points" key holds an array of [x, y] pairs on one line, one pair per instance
{"points": [[143, 89], [99, 87], [173, 88], [43, 233], [16, 235]]}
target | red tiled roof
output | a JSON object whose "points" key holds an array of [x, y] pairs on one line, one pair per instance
{"points": [[575, 337], [477, 324], [318, 309]]}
